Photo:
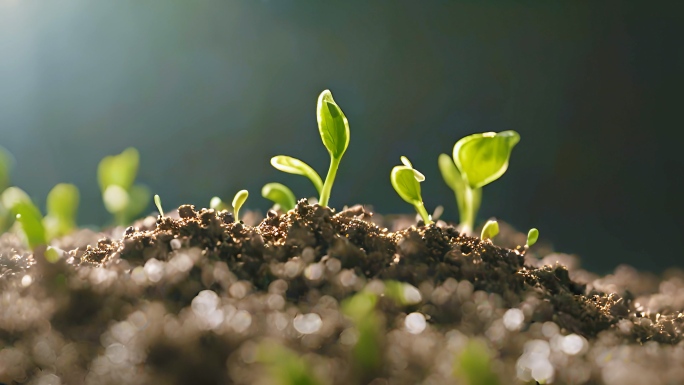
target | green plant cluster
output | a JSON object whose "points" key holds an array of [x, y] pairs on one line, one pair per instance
{"points": [[476, 161]]}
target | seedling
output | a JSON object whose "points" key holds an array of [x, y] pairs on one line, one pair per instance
{"points": [[406, 182], [285, 366], [279, 194], [238, 201], [217, 204], [478, 160], [532, 237], [122, 198], [62, 206], [490, 230], [360, 309], [474, 365], [334, 129], [27, 214], [157, 202]]}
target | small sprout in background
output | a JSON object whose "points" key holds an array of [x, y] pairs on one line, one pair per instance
{"points": [[479, 159], [122, 198], [334, 129], [279, 194], [295, 166], [157, 202], [406, 182], [490, 230], [27, 214], [238, 201], [360, 308], [217, 204], [474, 365], [285, 366], [532, 237], [62, 207]]}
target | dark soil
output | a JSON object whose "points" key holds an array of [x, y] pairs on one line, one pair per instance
{"points": [[200, 299]]}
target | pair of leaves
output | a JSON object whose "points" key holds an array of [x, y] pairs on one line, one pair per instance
{"points": [[279, 194], [406, 182], [483, 158], [116, 176]]}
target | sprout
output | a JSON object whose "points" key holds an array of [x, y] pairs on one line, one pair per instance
{"points": [[285, 366], [334, 130], [27, 214], [116, 175], [295, 166], [474, 364], [238, 201], [279, 194], [157, 202], [217, 204], [62, 206], [490, 230], [360, 308], [478, 160], [532, 237], [406, 182]]}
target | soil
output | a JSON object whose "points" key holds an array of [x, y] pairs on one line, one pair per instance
{"points": [[197, 298]]}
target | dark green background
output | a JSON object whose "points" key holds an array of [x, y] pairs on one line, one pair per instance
{"points": [[208, 91]]}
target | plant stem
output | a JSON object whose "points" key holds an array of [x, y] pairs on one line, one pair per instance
{"points": [[329, 180], [468, 215], [420, 207]]}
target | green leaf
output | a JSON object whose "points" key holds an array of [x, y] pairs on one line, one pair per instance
{"points": [[62, 206], [280, 195], [27, 215], [490, 230], [295, 166], [139, 199], [217, 204], [532, 237], [332, 124], [483, 158], [6, 162], [238, 201], [157, 202], [406, 185], [119, 169]]}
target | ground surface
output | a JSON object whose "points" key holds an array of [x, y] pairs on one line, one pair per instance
{"points": [[315, 297]]}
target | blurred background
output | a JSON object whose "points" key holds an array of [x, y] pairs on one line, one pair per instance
{"points": [[209, 91]]}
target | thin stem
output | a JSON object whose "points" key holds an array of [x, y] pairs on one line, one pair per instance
{"points": [[329, 180], [468, 215], [420, 208]]}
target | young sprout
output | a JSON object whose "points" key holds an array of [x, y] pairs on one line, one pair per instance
{"points": [[27, 214], [121, 197], [334, 129], [279, 194], [532, 237], [406, 182], [479, 159], [217, 204], [295, 166], [157, 202], [238, 201], [490, 230], [62, 206]]}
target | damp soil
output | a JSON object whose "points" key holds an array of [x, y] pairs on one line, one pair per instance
{"points": [[194, 297]]}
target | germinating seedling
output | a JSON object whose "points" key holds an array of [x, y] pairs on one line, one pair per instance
{"points": [[279, 194], [478, 160], [27, 214], [62, 207], [406, 182], [334, 129], [238, 201], [490, 230], [122, 198], [157, 202], [532, 237]]}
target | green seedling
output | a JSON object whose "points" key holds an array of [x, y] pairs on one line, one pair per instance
{"points": [[27, 214], [122, 198], [532, 237], [217, 204], [279, 194], [334, 129], [406, 182], [285, 366], [474, 365], [360, 308], [490, 230], [157, 202], [62, 207], [238, 201], [478, 160]]}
